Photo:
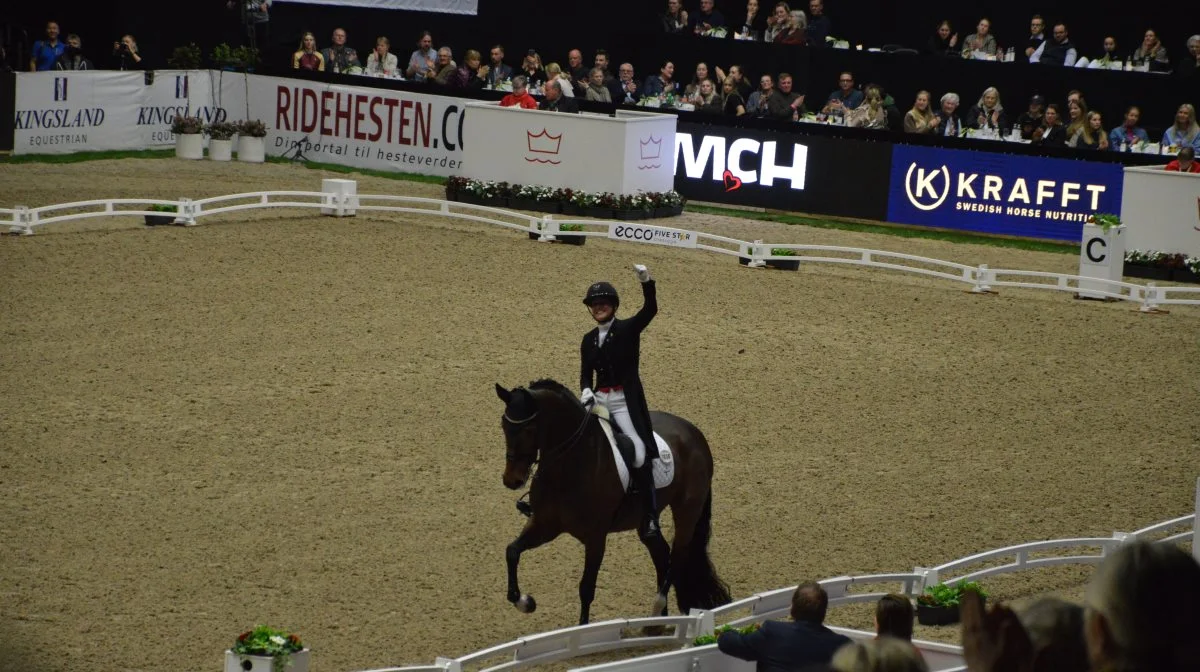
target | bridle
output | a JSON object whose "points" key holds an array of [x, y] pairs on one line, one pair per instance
{"points": [[558, 450]]}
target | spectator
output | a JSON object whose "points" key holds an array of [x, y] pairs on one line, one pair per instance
{"points": [[871, 114], [1076, 116], [1032, 118], [707, 100], [894, 613], [258, 20], [554, 73], [895, 120], [706, 19], [601, 61], [625, 89], [444, 69], [307, 57], [470, 75], [1128, 133], [779, 645], [951, 124], [943, 42], [754, 23], [757, 103], [380, 62], [555, 99], [662, 83], [739, 79], [531, 69], [47, 52], [794, 32], [846, 97], [423, 58], [1110, 54], [1051, 133], [1059, 51], [1190, 65], [597, 92], [1184, 132], [577, 70], [920, 119], [1185, 162], [497, 71], [126, 55], [1037, 36], [1091, 134], [339, 57], [675, 20], [981, 41], [72, 57], [1055, 630], [988, 112], [1152, 52], [1076, 96], [885, 654], [734, 104], [786, 104], [519, 96], [778, 21], [1143, 609], [819, 26], [693, 89]]}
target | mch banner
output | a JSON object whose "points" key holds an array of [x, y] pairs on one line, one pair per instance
{"points": [[444, 6], [1028, 196]]}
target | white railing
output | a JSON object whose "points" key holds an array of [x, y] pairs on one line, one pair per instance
{"points": [[547, 228]]}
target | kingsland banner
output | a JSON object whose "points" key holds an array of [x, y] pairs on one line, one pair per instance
{"points": [[444, 6], [380, 129], [66, 112]]}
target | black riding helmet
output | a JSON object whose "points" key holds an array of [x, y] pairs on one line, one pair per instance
{"points": [[602, 290]]}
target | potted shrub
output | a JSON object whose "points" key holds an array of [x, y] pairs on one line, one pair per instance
{"points": [[566, 201], [220, 140], [1148, 264], [705, 640], [189, 143], [496, 194], [265, 649], [675, 202], [1189, 272], [161, 220], [252, 144], [785, 264], [628, 208], [185, 58], [535, 198], [569, 239], [939, 605], [603, 206], [454, 185], [471, 191], [225, 57]]}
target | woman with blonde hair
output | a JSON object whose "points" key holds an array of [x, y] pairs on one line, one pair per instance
{"points": [[921, 119], [1091, 134], [1184, 132], [381, 62], [778, 21], [734, 104], [307, 57], [884, 654], [1077, 113], [554, 72], [988, 112], [871, 113]]}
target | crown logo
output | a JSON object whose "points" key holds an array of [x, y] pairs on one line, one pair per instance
{"points": [[543, 143], [651, 148]]}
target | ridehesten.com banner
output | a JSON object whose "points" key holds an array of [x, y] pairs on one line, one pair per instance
{"points": [[380, 129], [1027, 196]]}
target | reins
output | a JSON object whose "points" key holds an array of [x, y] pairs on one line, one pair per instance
{"points": [[563, 446]]}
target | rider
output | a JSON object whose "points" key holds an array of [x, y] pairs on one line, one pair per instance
{"points": [[611, 351]]}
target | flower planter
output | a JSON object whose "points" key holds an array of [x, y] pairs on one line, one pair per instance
{"points": [[570, 239], [1147, 272], [676, 210], [630, 215], [496, 201], [1184, 275], [927, 615], [665, 211], [189, 146], [296, 662], [784, 265], [533, 206], [251, 149], [598, 213], [571, 209], [159, 220], [469, 198], [220, 150]]}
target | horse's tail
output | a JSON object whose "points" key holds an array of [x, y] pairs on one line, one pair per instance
{"points": [[697, 585]]}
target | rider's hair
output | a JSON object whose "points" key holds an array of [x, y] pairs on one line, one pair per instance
{"points": [[809, 603]]}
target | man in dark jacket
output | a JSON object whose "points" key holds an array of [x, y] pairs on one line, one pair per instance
{"points": [[779, 646], [555, 101], [611, 352]]}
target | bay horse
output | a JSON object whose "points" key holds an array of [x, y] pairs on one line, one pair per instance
{"points": [[577, 490]]}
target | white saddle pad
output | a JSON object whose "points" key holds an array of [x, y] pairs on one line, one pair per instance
{"points": [[664, 466]]}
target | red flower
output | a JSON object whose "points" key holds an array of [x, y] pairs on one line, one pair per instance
{"points": [[293, 639], [242, 637]]}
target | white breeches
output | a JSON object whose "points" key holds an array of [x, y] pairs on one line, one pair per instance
{"points": [[615, 403]]}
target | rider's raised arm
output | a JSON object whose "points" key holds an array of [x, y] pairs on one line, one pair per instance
{"points": [[649, 300]]}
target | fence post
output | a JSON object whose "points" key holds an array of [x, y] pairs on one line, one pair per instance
{"points": [[982, 277], [448, 664], [24, 220], [929, 577], [705, 623], [187, 212], [1150, 298]]}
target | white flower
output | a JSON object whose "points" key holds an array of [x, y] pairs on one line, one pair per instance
{"points": [[276, 639]]}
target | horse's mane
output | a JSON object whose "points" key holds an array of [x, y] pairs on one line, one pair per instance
{"points": [[557, 388]]}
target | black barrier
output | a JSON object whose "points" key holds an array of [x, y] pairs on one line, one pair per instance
{"points": [[8, 110], [782, 170]]}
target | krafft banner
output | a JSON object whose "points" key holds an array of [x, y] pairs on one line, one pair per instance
{"points": [[780, 170], [379, 129], [1000, 193], [444, 6]]}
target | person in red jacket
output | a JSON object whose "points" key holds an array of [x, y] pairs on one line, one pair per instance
{"points": [[519, 96], [1185, 162]]}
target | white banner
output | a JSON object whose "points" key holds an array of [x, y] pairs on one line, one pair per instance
{"points": [[379, 129], [63, 113], [1161, 210], [444, 6], [657, 235], [212, 95]]}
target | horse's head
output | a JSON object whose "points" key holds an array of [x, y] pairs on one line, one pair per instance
{"points": [[528, 416]]}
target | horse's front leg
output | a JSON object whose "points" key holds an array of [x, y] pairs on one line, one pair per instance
{"points": [[531, 537], [593, 556]]}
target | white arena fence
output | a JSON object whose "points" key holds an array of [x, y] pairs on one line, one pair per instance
{"points": [[979, 279]]}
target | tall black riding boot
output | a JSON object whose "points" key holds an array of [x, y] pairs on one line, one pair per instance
{"points": [[645, 479]]}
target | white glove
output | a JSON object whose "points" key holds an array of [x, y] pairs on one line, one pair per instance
{"points": [[642, 273], [587, 398]]}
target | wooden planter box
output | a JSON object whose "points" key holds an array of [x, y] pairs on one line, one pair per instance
{"points": [[160, 220], [551, 207], [1184, 275], [630, 215], [927, 615], [785, 265], [1147, 272], [297, 662], [571, 209], [570, 239], [598, 213]]}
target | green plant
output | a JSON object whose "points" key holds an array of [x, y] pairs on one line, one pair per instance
{"points": [[242, 57], [253, 128], [221, 130], [185, 58], [183, 125], [704, 640], [267, 641], [943, 595], [570, 227], [783, 252], [163, 207], [1104, 220], [973, 587]]}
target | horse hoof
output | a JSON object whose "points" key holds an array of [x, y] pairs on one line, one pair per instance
{"points": [[526, 605], [660, 606]]}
